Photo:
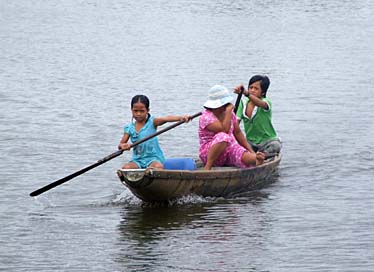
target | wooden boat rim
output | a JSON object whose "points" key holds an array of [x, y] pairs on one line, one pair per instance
{"points": [[200, 170], [154, 185]]}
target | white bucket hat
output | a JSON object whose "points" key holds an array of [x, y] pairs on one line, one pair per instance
{"points": [[218, 96]]}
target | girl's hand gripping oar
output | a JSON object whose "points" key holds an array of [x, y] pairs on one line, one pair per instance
{"points": [[105, 159], [237, 102]]}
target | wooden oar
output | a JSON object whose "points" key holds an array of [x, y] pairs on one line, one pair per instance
{"points": [[237, 103], [104, 160]]}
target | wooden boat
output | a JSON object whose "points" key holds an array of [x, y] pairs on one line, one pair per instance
{"points": [[151, 185]]}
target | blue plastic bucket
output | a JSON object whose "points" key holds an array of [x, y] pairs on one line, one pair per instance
{"points": [[180, 164]]}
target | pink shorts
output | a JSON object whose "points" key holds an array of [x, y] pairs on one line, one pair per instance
{"points": [[231, 156]]}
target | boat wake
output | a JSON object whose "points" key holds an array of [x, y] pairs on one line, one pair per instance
{"points": [[128, 199], [192, 199]]}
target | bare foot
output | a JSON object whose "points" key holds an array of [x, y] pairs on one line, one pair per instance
{"points": [[260, 157]]}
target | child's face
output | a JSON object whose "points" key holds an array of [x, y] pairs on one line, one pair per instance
{"points": [[255, 89], [139, 112]]}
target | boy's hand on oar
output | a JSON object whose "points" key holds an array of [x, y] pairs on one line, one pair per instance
{"points": [[239, 89]]}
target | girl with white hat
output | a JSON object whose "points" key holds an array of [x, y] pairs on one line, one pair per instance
{"points": [[222, 142]]}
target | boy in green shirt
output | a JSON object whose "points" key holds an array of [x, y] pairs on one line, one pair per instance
{"points": [[255, 110]]}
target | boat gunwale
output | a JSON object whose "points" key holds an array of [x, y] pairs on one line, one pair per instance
{"points": [[163, 173], [151, 186]]}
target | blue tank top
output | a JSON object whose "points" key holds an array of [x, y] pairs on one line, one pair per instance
{"points": [[148, 151]]}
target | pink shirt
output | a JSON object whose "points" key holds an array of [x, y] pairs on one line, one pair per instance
{"points": [[206, 136], [232, 155]]}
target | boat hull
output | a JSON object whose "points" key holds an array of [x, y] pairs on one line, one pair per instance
{"points": [[162, 185]]}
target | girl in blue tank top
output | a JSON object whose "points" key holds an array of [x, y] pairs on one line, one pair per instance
{"points": [[148, 153]]}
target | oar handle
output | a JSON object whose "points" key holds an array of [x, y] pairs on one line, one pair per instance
{"points": [[237, 103], [105, 159]]}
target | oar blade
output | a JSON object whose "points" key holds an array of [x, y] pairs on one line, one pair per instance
{"points": [[78, 173]]}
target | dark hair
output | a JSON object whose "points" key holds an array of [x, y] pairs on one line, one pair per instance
{"points": [[140, 99], [265, 82]]}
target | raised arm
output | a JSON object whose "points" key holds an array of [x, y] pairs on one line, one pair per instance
{"points": [[170, 118], [254, 99], [225, 124], [257, 101]]}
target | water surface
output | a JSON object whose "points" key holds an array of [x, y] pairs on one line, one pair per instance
{"points": [[67, 73]]}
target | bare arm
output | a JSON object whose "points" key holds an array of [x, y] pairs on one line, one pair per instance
{"points": [[123, 144], [254, 99], [170, 118], [258, 102], [225, 124]]}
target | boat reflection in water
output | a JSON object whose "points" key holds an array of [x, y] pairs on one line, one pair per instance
{"points": [[149, 236]]}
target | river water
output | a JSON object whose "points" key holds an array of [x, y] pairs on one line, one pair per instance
{"points": [[68, 70]]}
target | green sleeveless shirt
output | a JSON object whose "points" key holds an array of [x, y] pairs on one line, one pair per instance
{"points": [[258, 128]]}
